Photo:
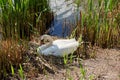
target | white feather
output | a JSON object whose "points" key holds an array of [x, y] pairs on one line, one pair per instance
{"points": [[59, 47]]}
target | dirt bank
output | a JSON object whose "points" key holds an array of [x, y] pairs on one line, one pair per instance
{"points": [[105, 66]]}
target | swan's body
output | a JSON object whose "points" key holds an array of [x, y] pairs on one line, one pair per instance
{"points": [[59, 47]]}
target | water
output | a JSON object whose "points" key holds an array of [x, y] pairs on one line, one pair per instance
{"points": [[66, 15]]}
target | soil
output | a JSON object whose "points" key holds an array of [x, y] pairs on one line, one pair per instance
{"points": [[105, 65]]}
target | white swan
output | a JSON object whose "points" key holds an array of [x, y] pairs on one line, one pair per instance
{"points": [[58, 47]]}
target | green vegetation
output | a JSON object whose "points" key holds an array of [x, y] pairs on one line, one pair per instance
{"points": [[23, 18], [20, 19], [83, 72], [21, 73], [12, 70], [99, 24]]}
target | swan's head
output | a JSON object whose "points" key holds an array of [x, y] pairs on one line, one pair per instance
{"points": [[46, 39]]}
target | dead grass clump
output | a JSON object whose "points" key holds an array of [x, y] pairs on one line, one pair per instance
{"points": [[10, 54]]}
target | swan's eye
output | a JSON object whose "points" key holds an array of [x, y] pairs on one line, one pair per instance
{"points": [[42, 41]]}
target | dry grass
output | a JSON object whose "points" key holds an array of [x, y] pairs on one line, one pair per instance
{"points": [[10, 54]]}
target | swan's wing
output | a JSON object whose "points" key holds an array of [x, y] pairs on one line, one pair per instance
{"points": [[69, 48], [66, 48], [63, 41]]}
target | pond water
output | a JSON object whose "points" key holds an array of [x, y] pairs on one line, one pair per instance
{"points": [[66, 15]]}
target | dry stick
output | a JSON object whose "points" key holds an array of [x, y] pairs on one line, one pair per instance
{"points": [[85, 41], [46, 64]]}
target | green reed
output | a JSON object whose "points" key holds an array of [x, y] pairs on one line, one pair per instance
{"points": [[21, 18], [100, 22]]}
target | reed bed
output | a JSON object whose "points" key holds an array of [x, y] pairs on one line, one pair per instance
{"points": [[99, 23], [19, 19], [22, 18]]}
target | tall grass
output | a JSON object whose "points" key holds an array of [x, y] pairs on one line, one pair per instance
{"points": [[21, 18], [100, 23]]}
